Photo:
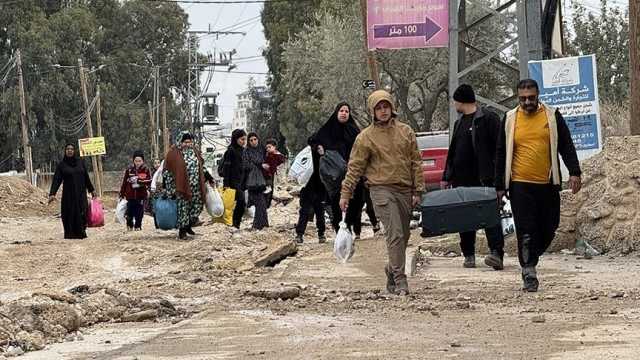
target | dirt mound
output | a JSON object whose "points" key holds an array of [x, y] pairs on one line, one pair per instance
{"points": [[18, 198], [605, 213], [46, 316]]}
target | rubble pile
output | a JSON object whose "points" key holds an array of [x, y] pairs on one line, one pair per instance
{"points": [[18, 198], [46, 317], [605, 213]]}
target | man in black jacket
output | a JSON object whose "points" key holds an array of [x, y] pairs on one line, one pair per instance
{"points": [[471, 162], [531, 139]]}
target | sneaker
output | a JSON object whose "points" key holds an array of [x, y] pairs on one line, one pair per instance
{"points": [[267, 190], [138, 229], [322, 239], [469, 262], [391, 283], [189, 231], [494, 260], [299, 239], [376, 228], [356, 238], [182, 234]]}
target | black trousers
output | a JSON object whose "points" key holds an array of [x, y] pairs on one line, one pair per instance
{"points": [[495, 238], [238, 211], [135, 212], [260, 218], [311, 203], [371, 212], [353, 216], [536, 213], [269, 197]]}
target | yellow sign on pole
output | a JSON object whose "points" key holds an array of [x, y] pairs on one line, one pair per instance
{"points": [[92, 146]]}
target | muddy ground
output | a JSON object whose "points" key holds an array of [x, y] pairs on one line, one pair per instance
{"points": [[586, 309]]}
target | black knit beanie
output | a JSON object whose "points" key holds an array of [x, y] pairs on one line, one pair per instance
{"points": [[186, 136], [138, 153], [464, 94]]}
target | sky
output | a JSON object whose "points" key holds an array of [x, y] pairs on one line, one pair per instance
{"points": [[221, 16]]}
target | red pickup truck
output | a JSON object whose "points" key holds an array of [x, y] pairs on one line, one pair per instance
{"points": [[434, 147]]}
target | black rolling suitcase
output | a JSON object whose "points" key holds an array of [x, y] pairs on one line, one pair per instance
{"points": [[459, 210]]}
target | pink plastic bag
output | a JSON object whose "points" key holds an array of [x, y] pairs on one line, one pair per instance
{"points": [[95, 214]]}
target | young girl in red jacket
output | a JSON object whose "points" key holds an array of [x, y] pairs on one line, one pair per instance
{"points": [[134, 189]]}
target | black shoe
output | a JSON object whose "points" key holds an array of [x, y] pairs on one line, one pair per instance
{"points": [[391, 283], [299, 239], [469, 262], [402, 288], [530, 280], [182, 234], [494, 260], [322, 239], [189, 231]]}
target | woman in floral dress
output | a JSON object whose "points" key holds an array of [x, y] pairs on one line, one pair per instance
{"points": [[184, 177]]}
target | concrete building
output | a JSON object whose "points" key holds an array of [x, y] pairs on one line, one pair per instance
{"points": [[240, 112]]}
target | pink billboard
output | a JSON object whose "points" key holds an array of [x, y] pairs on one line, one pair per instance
{"points": [[403, 24]]}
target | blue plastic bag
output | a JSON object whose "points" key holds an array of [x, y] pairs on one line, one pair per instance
{"points": [[166, 212]]}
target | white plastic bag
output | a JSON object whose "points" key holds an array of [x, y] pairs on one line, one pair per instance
{"points": [[214, 203], [251, 212], [302, 167], [506, 218], [343, 247], [121, 212]]}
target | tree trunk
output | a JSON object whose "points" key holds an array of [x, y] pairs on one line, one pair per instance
{"points": [[634, 78]]}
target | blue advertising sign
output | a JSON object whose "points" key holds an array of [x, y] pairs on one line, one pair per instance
{"points": [[571, 85]]}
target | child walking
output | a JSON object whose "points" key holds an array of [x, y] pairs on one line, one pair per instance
{"points": [[272, 160], [135, 184]]}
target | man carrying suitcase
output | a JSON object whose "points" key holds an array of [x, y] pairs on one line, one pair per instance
{"points": [[386, 153], [471, 162], [528, 167]]}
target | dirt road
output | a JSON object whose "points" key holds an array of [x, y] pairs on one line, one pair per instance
{"points": [[586, 309]]}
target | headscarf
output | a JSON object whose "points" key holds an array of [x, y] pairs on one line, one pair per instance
{"points": [[334, 135], [70, 160], [254, 155]]}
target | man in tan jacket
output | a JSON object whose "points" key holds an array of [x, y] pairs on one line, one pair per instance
{"points": [[386, 154]]}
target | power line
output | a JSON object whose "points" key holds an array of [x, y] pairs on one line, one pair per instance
{"points": [[220, 2]]}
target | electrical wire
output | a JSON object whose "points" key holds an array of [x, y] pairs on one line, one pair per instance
{"points": [[220, 2]]}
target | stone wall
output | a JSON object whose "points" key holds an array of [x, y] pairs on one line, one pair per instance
{"points": [[605, 213]]}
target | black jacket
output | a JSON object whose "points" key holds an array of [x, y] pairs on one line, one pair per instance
{"points": [[484, 134], [566, 149], [233, 170]]}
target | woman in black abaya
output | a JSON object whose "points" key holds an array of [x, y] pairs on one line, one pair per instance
{"points": [[339, 134], [72, 172]]}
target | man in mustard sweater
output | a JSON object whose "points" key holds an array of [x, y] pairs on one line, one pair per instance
{"points": [[531, 139], [386, 154]]}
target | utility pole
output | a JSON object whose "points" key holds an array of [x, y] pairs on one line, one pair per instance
{"points": [[152, 128], [156, 150], [26, 146], [165, 130], [87, 114], [371, 55], [634, 78], [99, 134]]}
